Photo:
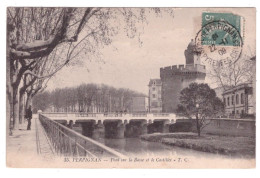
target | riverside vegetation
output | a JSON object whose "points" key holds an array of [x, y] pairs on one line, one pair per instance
{"points": [[226, 145]]}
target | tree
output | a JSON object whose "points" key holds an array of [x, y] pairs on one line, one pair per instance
{"points": [[229, 77], [41, 101], [88, 97], [56, 36], [32, 34], [233, 74], [199, 100]]}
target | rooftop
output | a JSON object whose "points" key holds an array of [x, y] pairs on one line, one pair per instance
{"points": [[238, 87], [158, 82]]}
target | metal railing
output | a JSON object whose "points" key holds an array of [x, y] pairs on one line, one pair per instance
{"points": [[67, 142], [57, 114], [85, 115], [161, 114], [139, 115]]}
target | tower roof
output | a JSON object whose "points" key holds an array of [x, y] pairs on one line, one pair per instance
{"points": [[156, 81], [191, 45]]}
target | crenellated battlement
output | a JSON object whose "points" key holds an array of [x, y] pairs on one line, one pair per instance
{"points": [[188, 69], [177, 77]]}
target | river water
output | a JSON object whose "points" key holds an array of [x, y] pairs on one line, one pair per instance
{"points": [[137, 147], [170, 156]]}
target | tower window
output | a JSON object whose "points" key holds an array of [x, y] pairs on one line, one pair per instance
{"points": [[154, 104]]}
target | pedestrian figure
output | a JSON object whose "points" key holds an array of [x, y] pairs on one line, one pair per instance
{"points": [[28, 116]]}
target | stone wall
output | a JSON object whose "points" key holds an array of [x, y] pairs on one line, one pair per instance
{"points": [[220, 127], [174, 79], [230, 127]]}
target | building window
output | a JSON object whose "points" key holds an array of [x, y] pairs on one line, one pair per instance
{"points": [[232, 102], [154, 104], [153, 82], [154, 96], [225, 101], [228, 101], [237, 99], [237, 111], [242, 98], [153, 88]]}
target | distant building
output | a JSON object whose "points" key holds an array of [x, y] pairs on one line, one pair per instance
{"points": [[239, 100], [155, 95], [175, 78], [139, 104], [254, 83], [219, 91]]}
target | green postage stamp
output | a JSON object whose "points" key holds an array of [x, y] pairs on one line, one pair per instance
{"points": [[220, 39], [221, 29]]}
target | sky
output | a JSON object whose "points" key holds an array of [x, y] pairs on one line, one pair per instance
{"points": [[164, 41]]}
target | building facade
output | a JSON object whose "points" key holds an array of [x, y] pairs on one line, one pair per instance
{"points": [[253, 59], [155, 95], [139, 104], [175, 78], [239, 100]]}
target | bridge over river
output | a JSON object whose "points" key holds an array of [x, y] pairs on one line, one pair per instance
{"points": [[117, 135], [114, 125]]}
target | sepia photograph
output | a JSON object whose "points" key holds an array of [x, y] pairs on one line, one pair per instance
{"points": [[130, 87]]}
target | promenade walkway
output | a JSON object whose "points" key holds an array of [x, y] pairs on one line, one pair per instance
{"points": [[29, 147]]}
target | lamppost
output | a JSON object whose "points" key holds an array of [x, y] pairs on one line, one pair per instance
{"points": [[197, 111]]}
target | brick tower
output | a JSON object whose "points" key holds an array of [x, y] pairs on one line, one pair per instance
{"points": [[175, 78]]}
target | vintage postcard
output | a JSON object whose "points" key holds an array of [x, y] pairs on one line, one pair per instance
{"points": [[92, 87]]}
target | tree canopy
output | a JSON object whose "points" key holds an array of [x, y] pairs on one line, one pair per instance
{"points": [[85, 98], [199, 100], [42, 40]]}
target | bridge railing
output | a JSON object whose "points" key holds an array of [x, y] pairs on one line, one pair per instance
{"points": [[109, 114], [139, 115], [67, 142], [85, 115]]}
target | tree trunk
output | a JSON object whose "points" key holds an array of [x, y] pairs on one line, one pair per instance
{"points": [[15, 111], [28, 101], [198, 125], [21, 108], [9, 96]]}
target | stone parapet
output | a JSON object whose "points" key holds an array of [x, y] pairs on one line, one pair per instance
{"points": [[189, 69]]}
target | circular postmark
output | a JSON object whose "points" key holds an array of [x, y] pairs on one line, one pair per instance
{"points": [[219, 43]]}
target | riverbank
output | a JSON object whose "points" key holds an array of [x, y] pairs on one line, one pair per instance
{"points": [[29, 148], [226, 145]]}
